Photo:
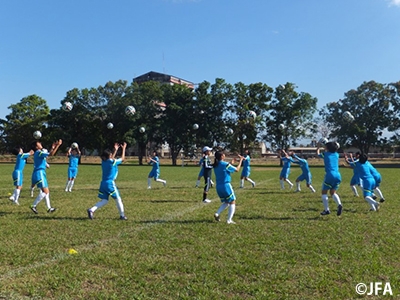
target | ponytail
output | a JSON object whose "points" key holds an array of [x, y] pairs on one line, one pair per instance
{"points": [[217, 158]]}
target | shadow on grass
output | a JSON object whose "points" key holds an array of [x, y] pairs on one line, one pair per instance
{"points": [[166, 201], [178, 221], [54, 217]]}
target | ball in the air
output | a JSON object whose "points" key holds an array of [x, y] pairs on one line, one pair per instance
{"points": [[251, 114], [110, 125], [74, 145], [348, 117], [130, 110], [323, 141], [37, 134], [67, 106], [281, 126], [230, 131], [195, 126], [142, 130]]}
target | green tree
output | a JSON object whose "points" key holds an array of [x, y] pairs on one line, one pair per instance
{"points": [[371, 106], [294, 111], [29, 114]]}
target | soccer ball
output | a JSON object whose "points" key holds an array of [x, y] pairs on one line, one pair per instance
{"points": [[323, 141], [195, 126], [67, 106], [230, 131], [142, 130], [74, 145], [130, 110], [37, 134], [348, 117], [110, 125], [251, 114], [281, 126]]}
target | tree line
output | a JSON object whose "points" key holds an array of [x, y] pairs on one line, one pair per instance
{"points": [[284, 116]]}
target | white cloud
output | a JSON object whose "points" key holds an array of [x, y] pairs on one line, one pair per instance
{"points": [[394, 3]]}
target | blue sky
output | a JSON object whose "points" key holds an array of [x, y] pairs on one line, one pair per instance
{"points": [[325, 47]]}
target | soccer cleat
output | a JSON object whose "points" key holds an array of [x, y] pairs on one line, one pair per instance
{"points": [[377, 206], [123, 218], [16, 202], [374, 197], [206, 201], [11, 198], [216, 217], [325, 212], [290, 186], [66, 190], [33, 208], [297, 191], [382, 200], [253, 184], [230, 222], [51, 210], [164, 184], [339, 209], [90, 214], [149, 187]]}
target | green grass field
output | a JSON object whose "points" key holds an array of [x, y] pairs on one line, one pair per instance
{"points": [[171, 248]]}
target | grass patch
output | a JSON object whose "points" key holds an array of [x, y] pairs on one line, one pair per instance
{"points": [[171, 248]]}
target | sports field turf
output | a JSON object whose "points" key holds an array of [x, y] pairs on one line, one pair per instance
{"points": [[172, 248]]}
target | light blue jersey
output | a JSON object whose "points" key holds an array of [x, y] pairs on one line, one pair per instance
{"points": [[246, 166], [223, 178], [73, 165], [39, 176], [286, 161], [365, 175], [155, 171], [17, 175], [305, 169], [377, 176], [355, 180], [332, 178], [109, 173], [201, 173]]}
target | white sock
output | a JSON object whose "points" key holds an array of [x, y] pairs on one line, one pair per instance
{"points": [[67, 185], [282, 184], [251, 181], [71, 184], [311, 188], [371, 202], [354, 189], [222, 208], [198, 182], [241, 183], [47, 199], [325, 202], [211, 182], [32, 189], [149, 182], [298, 185], [378, 191], [336, 198], [99, 204], [288, 181], [231, 211], [17, 192], [39, 198], [120, 206], [160, 180]]}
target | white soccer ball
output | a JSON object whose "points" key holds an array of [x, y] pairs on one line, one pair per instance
{"points": [[130, 110], [251, 114], [67, 106], [195, 126], [74, 145], [230, 131], [323, 141], [281, 126], [110, 125], [348, 117], [142, 130], [37, 134]]}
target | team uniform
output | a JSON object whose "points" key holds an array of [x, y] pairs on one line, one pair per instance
{"points": [[201, 174], [72, 171], [378, 179], [332, 180], [155, 172], [18, 175], [224, 189], [246, 171], [368, 180], [207, 171], [108, 187], [305, 175], [355, 179], [39, 178], [284, 175]]}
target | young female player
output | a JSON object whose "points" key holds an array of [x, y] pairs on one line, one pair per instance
{"points": [[224, 188], [73, 155], [246, 170], [155, 171], [18, 173]]}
